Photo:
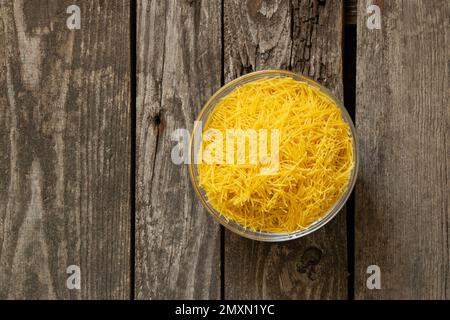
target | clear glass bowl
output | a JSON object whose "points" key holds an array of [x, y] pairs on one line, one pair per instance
{"points": [[235, 227]]}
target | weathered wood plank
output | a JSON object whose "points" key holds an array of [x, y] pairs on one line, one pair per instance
{"points": [[65, 155], [402, 116], [179, 67], [304, 36]]}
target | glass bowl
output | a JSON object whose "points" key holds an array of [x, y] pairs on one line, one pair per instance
{"points": [[235, 227]]}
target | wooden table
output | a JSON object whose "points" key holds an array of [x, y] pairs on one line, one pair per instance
{"points": [[86, 177]]}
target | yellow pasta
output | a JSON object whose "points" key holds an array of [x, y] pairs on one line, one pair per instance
{"points": [[315, 156]]}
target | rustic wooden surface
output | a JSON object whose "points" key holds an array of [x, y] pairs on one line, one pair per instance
{"points": [[73, 191], [65, 150], [179, 68], [402, 194], [304, 36]]}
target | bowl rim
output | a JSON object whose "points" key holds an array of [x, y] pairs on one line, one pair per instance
{"points": [[271, 236]]}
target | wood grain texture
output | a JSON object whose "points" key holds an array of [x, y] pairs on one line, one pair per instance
{"points": [[65, 155], [306, 37], [179, 68], [402, 197]]}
